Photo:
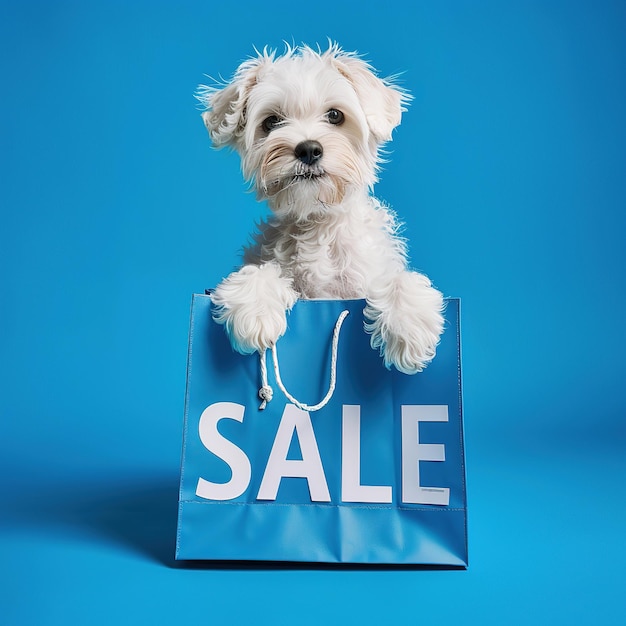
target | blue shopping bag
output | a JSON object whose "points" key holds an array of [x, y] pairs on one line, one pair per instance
{"points": [[375, 476]]}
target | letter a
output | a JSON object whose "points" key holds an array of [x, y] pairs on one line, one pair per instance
{"points": [[309, 467]]}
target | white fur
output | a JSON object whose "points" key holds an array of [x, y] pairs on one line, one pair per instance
{"points": [[328, 237]]}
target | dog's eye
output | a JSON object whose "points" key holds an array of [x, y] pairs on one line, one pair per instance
{"points": [[270, 123], [335, 116]]}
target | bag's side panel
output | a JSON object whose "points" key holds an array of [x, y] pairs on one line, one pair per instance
{"points": [[439, 385], [179, 526]]}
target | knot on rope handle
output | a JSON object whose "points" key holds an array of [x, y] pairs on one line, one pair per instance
{"points": [[266, 392]]}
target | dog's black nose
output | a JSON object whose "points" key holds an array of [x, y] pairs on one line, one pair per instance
{"points": [[309, 151]]}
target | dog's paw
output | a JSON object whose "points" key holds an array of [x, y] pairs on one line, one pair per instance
{"points": [[252, 304], [406, 322]]}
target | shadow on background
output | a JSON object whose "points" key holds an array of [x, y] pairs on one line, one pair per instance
{"points": [[135, 513]]}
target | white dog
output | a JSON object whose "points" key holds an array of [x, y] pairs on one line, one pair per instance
{"points": [[309, 126]]}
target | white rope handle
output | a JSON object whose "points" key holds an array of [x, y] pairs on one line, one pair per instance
{"points": [[266, 393]]}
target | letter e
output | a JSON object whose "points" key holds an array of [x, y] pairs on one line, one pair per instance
{"points": [[413, 452]]}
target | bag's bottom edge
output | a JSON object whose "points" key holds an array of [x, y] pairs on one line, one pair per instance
{"points": [[280, 564]]}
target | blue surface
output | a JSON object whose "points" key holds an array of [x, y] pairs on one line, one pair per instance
{"points": [[510, 174]]}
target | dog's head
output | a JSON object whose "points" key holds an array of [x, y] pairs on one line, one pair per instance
{"points": [[308, 125]]}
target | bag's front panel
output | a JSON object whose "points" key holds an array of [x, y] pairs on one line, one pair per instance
{"points": [[376, 476]]}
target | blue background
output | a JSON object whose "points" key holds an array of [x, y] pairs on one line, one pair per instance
{"points": [[509, 171]]}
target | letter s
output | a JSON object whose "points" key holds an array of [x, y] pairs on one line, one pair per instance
{"points": [[226, 450]]}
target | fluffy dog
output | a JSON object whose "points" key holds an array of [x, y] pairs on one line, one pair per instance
{"points": [[309, 126]]}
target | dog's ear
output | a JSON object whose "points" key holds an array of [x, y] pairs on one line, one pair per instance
{"points": [[225, 115], [382, 102]]}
